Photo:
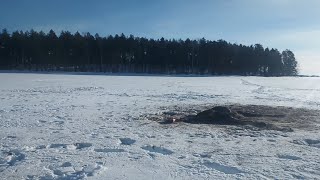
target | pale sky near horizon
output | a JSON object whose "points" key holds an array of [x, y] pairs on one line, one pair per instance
{"points": [[281, 24]]}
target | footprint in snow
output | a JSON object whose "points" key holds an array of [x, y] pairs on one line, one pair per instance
{"points": [[66, 164], [127, 141], [82, 145], [313, 143], [41, 147], [308, 142], [222, 168], [156, 149], [71, 146], [289, 157], [106, 150]]}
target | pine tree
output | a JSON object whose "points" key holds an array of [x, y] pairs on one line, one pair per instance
{"points": [[289, 63]]}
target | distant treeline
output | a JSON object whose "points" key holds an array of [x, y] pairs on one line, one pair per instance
{"points": [[39, 51]]}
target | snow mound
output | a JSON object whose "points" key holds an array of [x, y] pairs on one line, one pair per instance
{"points": [[260, 117]]}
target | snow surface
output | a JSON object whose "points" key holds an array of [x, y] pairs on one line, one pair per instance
{"points": [[93, 127]]}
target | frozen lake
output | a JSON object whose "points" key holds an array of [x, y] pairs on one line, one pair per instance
{"points": [[55, 126]]}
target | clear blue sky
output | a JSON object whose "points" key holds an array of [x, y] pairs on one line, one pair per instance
{"points": [[282, 24]]}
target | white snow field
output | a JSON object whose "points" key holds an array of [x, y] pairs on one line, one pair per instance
{"points": [[94, 127]]}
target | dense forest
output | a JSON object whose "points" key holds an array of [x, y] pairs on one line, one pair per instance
{"points": [[39, 51]]}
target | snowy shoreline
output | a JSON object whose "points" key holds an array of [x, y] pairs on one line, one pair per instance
{"points": [[135, 74]]}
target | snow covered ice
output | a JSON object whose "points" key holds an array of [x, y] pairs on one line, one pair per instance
{"points": [[96, 127]]}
